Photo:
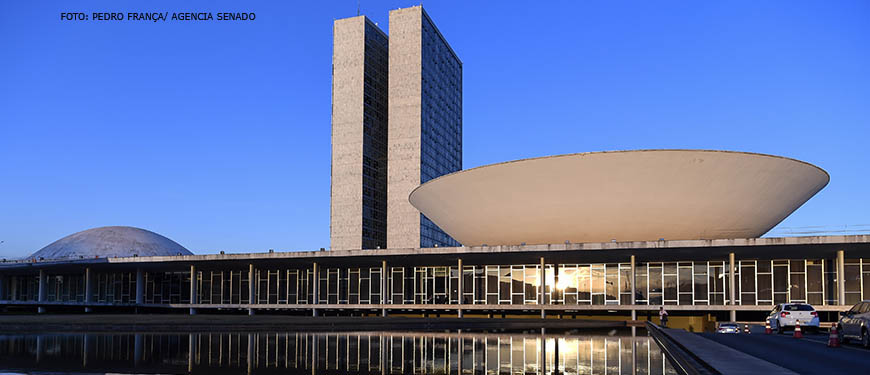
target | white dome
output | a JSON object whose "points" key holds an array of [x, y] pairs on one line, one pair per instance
{"points": [[105, 242]]}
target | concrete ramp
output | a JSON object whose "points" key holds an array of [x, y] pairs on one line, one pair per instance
{"points": [[723, 359]]}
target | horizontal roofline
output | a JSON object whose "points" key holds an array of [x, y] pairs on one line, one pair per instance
{"points": [[617, 245]]}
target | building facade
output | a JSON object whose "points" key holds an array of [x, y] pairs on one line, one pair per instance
{"points": [[695, 278], [358, 204], [389, 135], [425, 120]]}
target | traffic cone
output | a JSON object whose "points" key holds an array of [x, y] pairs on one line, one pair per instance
{"points": [[767, 329], [797, 330], [746, 329], [834, 338]]}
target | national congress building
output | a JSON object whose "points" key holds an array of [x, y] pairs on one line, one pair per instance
{"points": [[396, 123], [603, 234]]}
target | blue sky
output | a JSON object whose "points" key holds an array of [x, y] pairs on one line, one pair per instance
{"points": [[217, 134]]}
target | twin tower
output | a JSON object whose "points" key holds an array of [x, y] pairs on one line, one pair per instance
{"points": [[396, 123]]}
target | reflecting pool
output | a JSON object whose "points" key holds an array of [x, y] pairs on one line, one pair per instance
{"points": [[335, 353]]}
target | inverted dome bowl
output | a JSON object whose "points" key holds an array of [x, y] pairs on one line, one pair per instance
{"points": [[642, 195]]}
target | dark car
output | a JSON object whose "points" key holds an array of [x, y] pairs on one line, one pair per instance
{"points": [[855, 324]]}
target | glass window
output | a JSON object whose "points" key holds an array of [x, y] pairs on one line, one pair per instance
{"points": [[798, 287], [640, 287], [583, 283], [814, 278], [531, 283], [765, 293], [747, 283], [866, 282], [799, 307], [747, 279], [517, 283], [853, 278], [612, 283], [597, 279], [504, 290], [700, 288], [670, 287], [655, 279], [685, 276], [780, 279]]}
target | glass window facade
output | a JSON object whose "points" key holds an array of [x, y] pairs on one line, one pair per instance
{"points": [[441, 122], [757, 282], [374, 184]]}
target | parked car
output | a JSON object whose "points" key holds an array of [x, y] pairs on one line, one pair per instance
{"points": [[728, 327], [855, 323], [786, 315]]}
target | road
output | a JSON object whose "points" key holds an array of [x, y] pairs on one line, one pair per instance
{"points": [[809, 355]]}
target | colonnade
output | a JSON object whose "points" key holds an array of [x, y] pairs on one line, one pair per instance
{"points": [[384, 278]]}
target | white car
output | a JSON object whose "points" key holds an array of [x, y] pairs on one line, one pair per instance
{"points": [[729, 328], [786, 315]]}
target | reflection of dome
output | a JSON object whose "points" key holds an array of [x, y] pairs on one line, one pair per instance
{"points": [[639, 195], [107, 242]]}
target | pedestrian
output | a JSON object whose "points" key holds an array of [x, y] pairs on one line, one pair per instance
{"points": [[663, 316]]}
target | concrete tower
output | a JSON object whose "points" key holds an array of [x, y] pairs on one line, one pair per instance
{"points": [[425, 123], [358, 204]]}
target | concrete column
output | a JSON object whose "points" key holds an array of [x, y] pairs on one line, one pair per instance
{"points": [[140, 286], [13, 290], [841, 277], [89, 289], [315, 289], [461, 276], [42, 291], [384, 287], [633, 289], [251, 290], [2, 288], [543, 283], [193, 282], [731, 284]]}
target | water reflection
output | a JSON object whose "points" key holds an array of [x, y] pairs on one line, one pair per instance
{"points": [[334, 353]]}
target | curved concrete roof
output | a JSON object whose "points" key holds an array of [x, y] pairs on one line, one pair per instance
{"points": [[107, 242], [641, 195]]}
